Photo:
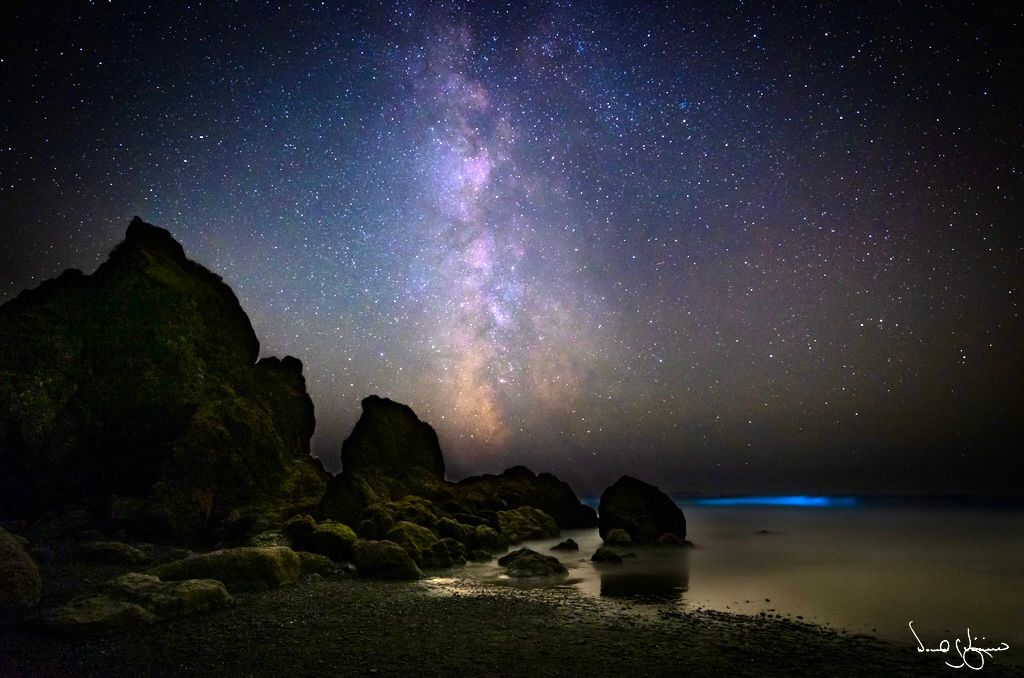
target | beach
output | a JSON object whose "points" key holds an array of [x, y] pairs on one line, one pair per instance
{"points": [[346, 625]]}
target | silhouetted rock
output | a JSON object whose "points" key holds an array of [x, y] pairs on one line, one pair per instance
{"points": [[141, 381], [19, 577], [390, 438], [642, 510], [519, 486], [524, 563], [618, 537]]}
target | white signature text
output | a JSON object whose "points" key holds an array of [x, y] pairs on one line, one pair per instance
{"points": [[970, 656]]}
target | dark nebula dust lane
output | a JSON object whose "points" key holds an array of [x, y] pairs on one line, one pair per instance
{"points": [[727, 249]]}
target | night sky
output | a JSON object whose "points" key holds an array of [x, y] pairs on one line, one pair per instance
{"points": [[725, 248]]}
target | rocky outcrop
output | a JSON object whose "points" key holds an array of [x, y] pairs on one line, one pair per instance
{"points": [[519, 486], [390, 439], [642, 510], [141, 381], [526, 563], [131, 601], [109, 553], [525, 523], [20, 585], [241, 569]]}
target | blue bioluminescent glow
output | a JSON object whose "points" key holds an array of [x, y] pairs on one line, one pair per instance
{"points": [[785, 500]]}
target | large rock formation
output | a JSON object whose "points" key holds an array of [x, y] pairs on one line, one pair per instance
{"points": [[141, 382], [389, 438], [642, 510], [519, 486]]}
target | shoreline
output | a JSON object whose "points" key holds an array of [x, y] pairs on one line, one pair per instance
{"points": [[355, 626]]}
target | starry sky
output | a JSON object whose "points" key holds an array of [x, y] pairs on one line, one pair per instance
{"points": [[725, 247]]}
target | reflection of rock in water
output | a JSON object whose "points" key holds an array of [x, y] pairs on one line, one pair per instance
{"points": [[649, 579]]}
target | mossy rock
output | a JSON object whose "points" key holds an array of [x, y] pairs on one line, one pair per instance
{"points": [[526, 522], [567, 545], [241, 569], [414, 538], [299, 530], [479, 556], [452, 529], [486, 538], [526, 563], [333, 540], [606, 554], [314, 563], [20, 584], [270, 538], [91, 614], [110, 553], [384, 560], [376, 520]]}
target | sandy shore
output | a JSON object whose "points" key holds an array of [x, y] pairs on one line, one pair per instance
{"points": [[352, 626]]}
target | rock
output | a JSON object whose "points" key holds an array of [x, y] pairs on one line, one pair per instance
{"points": [[519, 486], [91, 614], [110, 553], [673, 541], [447, 527], [605, 554], [270, 538], [642, 510], [486, 538], [384, 560], [390, 438], [567, 545], [20, 584], [525, 523], [314, 563], [479, 556], [300, 529], [333, 540], [415, 539], [241, 569], [524, 563], [618, 537], [131, 601], [142, 381]]}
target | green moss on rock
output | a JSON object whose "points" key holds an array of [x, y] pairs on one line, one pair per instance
{"points": [[333, 540], [241, 569], [384, 560]]}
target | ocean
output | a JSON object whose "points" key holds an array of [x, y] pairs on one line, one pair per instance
{"points": [[856, 565]]}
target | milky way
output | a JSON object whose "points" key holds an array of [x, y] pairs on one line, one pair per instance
{"points": [[724, 249]]}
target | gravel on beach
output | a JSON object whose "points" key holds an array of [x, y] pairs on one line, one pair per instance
{"points": [[447, 626]]}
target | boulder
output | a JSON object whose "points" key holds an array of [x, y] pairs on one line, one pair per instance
{"points": [[486, 538], [525, 563], [519, 486], [384, 560], [245, 568], [618, 537], [333, 540], [110, 553], [20, 585], [526, 522], [131, 601], [314, 563], [605, 554], [642, 510], [415, 539], [567, 545], [390, 438], [299, 529], [141, 381], [673, 541]]}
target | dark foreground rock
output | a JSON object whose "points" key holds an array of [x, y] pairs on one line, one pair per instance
{"points": [[519, 486], [525, 563], [20, 584], [130, 601], [567, 545], [142, 382], [241, 569], [642, 510], [606, 554], [384, 560], [110, 553]]}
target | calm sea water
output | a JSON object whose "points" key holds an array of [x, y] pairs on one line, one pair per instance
{"points": [[860, 568]]}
